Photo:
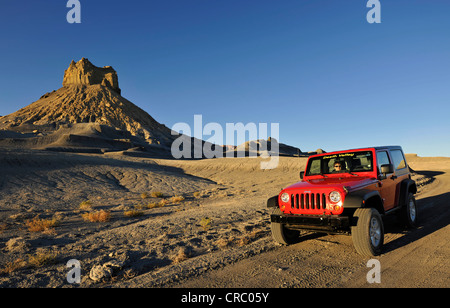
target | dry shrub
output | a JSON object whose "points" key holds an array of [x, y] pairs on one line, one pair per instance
{"points": [[152, 205], [251, 237], [157, 194], [177, 199], [245, 241], [98, 216], [13, 266], [41, 225], [181, 256], [133, 213], [42, 258], [197, 194], [224, 243], [162, 203], [205, 223], [86, 205]]}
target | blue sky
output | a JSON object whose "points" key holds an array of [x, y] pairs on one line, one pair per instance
{"points": [[318, 68]]}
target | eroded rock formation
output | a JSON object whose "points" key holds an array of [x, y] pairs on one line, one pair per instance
{"points": [[84, 72]]}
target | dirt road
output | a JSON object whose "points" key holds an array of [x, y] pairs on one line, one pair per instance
{"points": [[411, 258]]}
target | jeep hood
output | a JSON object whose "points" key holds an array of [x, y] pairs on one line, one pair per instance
{"points": [[351, 183]]}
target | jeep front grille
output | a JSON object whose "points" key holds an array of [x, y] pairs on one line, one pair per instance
{"points": [[309, 201]]}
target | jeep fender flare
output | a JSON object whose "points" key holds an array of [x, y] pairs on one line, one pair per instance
{"points": [[272, 202], [407, 186], [364, 198]]}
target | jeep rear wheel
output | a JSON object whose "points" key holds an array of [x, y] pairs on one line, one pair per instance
{"points": [[408, 213], [281, 234], [368, 234]]}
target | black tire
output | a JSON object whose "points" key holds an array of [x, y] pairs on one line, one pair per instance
{"points": [[281, 234], [368, 234], [408, 213]]}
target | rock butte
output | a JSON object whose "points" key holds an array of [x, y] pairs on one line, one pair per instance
{"points": [[84, 72]]}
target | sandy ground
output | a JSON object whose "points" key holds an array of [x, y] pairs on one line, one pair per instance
{"points": [[217, 236]]}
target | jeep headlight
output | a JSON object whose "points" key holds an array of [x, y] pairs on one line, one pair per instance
{"points": [[335, 196], [285, 197]]}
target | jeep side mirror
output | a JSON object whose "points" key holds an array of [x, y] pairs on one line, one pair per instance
{"points": [[302, 174], [387, 168]]}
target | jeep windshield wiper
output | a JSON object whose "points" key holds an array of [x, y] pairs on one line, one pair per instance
{"points": [[351, 173]]}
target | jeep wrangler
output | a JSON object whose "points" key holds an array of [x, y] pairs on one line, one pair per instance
{"points": [[347, 192]]}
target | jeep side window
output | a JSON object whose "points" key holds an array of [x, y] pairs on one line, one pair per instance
{"points": [[399, 159], [382, 159], [314, 167]]}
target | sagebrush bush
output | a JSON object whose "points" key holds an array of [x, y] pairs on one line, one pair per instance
{"points": [[40, 225], [98, 216], [157, 194], [177, 199], [42, 258], [86, 205], [133, 213]]}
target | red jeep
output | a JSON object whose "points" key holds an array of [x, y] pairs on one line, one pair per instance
{"points": [[347, 192]]}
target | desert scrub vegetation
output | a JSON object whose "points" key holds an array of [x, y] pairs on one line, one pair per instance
{"points": [[86, 206], [97, 216], [224, 243], [182, 255], [156, 194], [133, 213], [153, 194], [251, 237], [41, 225], [205, 223], [12, 266], [3, 227], [162, 203], [176, 199], [197, 194], [153, 205], [37, 260], [42, 258]]}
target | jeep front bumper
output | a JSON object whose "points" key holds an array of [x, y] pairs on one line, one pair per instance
{"points": [[325, 223]]}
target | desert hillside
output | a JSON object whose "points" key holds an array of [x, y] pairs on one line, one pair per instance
{"points": [[87, 109]]}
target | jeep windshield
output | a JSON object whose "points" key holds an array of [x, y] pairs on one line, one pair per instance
{"points": [[349, 162]]}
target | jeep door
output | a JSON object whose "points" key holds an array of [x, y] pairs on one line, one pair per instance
{"points": [[401, 171], [387, 184]]}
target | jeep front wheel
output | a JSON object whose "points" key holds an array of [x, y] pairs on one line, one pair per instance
{"points": [[281, 234], [368, 233]]}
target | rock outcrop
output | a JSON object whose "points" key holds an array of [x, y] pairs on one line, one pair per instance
{"points": [[84, 72]]}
